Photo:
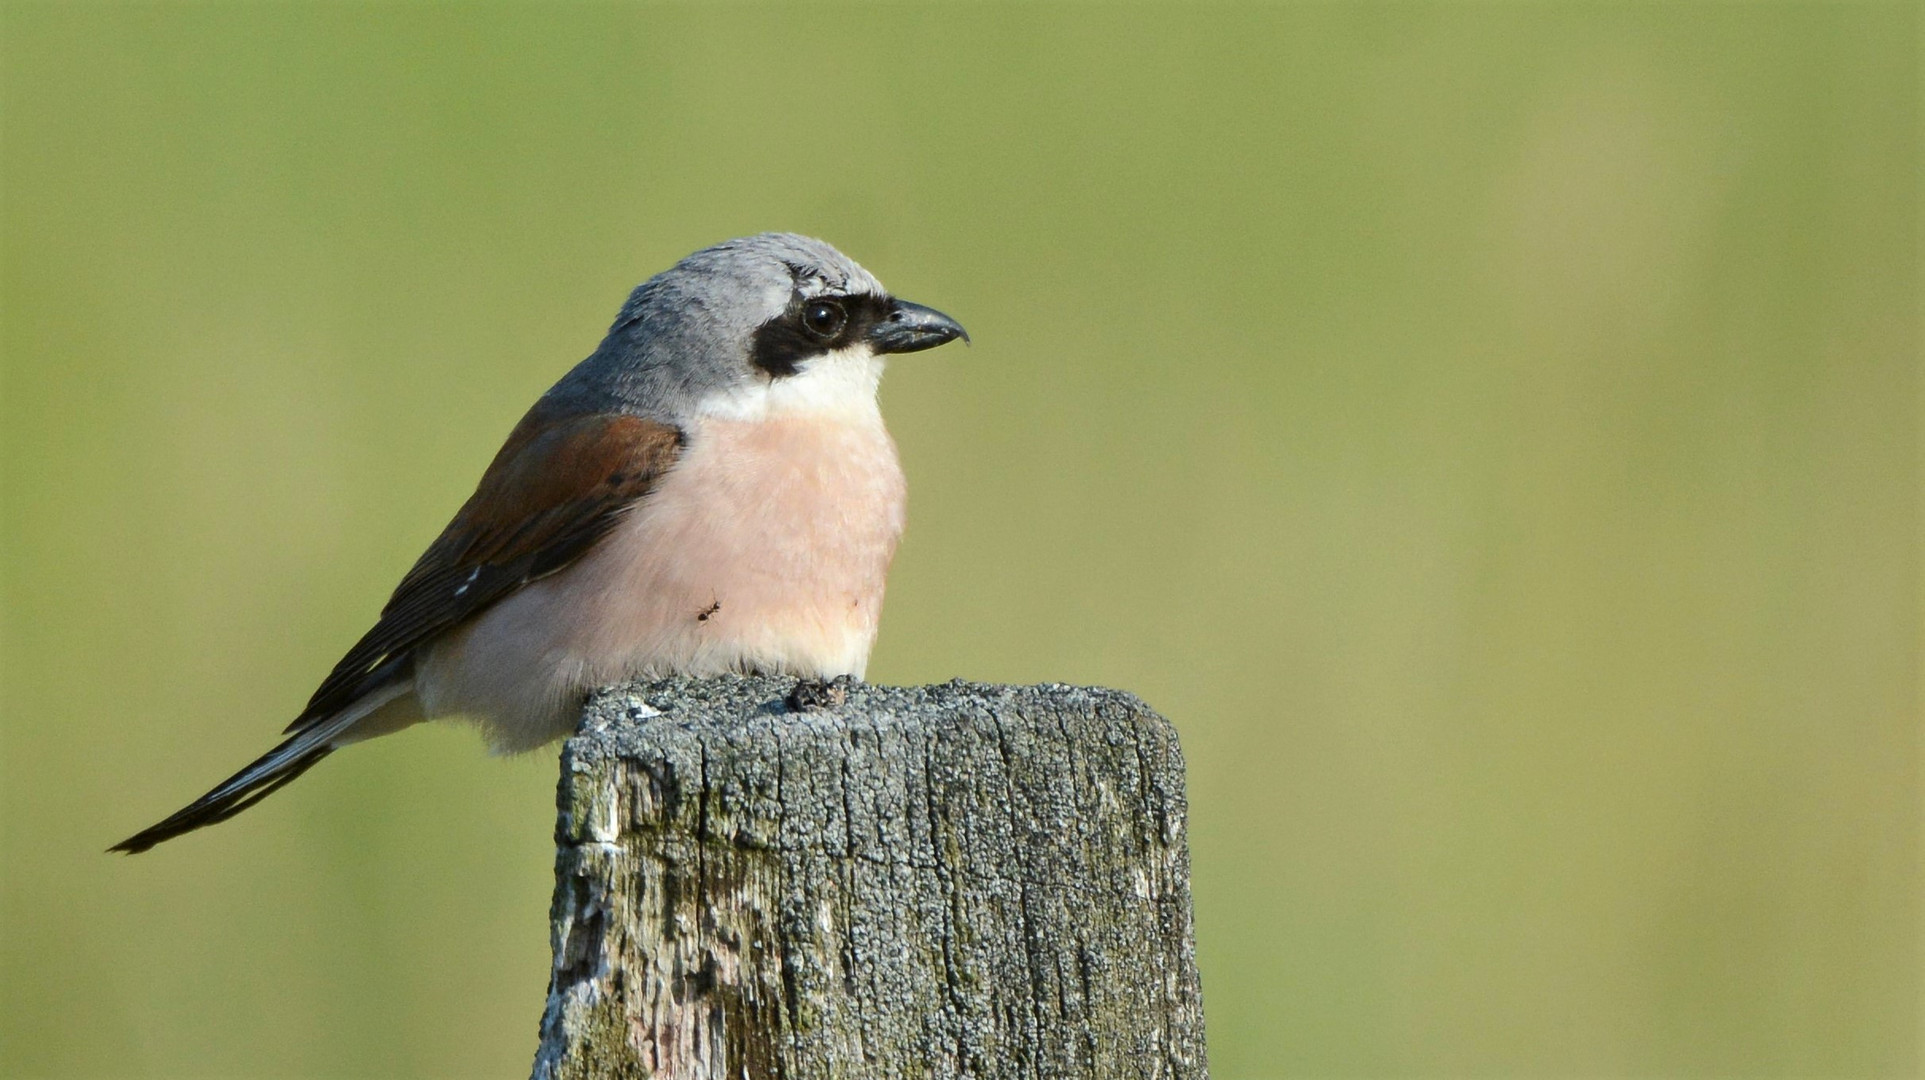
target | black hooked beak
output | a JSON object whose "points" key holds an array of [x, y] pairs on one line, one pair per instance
{"points": [[912, 328]]}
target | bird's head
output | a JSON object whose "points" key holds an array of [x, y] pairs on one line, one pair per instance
{"points": [[760, 324]]}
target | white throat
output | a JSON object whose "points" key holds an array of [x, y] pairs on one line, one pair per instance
{"points": [[840, 383]]}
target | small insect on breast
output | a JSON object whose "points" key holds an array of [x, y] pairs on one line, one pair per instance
{"points": [[708, 612]]}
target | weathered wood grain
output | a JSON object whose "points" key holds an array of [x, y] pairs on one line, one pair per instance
{"points": [[942, 881]]}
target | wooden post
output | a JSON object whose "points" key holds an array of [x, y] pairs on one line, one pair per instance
{"points": [[940, 881]]}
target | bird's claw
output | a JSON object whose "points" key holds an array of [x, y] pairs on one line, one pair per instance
{"points": [[814, 695]]}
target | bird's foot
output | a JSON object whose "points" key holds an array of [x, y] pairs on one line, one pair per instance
{"points": [[814, 695]]}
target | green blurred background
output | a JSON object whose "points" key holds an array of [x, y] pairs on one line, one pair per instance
{"points": [[1489, 431]]}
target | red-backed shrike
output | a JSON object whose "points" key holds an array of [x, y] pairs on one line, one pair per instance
{"points": [[711, 491]]}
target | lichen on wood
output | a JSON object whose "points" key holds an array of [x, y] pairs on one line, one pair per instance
{"points": [[942, 881]]}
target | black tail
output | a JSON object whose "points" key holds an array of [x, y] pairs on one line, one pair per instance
{"points": [[238, 792]]}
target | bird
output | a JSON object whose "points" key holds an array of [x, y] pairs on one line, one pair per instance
{"points": [[711, 491]]}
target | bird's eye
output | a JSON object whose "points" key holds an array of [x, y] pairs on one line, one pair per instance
{"points": [[824, 318]]}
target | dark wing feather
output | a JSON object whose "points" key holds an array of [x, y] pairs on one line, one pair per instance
{"points": [[557, 486]]}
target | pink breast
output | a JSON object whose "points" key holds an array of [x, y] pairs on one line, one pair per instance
{"points": [[769, 542], [764, 548]]}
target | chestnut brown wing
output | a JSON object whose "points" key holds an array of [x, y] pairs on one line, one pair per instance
{"points": [[555, 488]]}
